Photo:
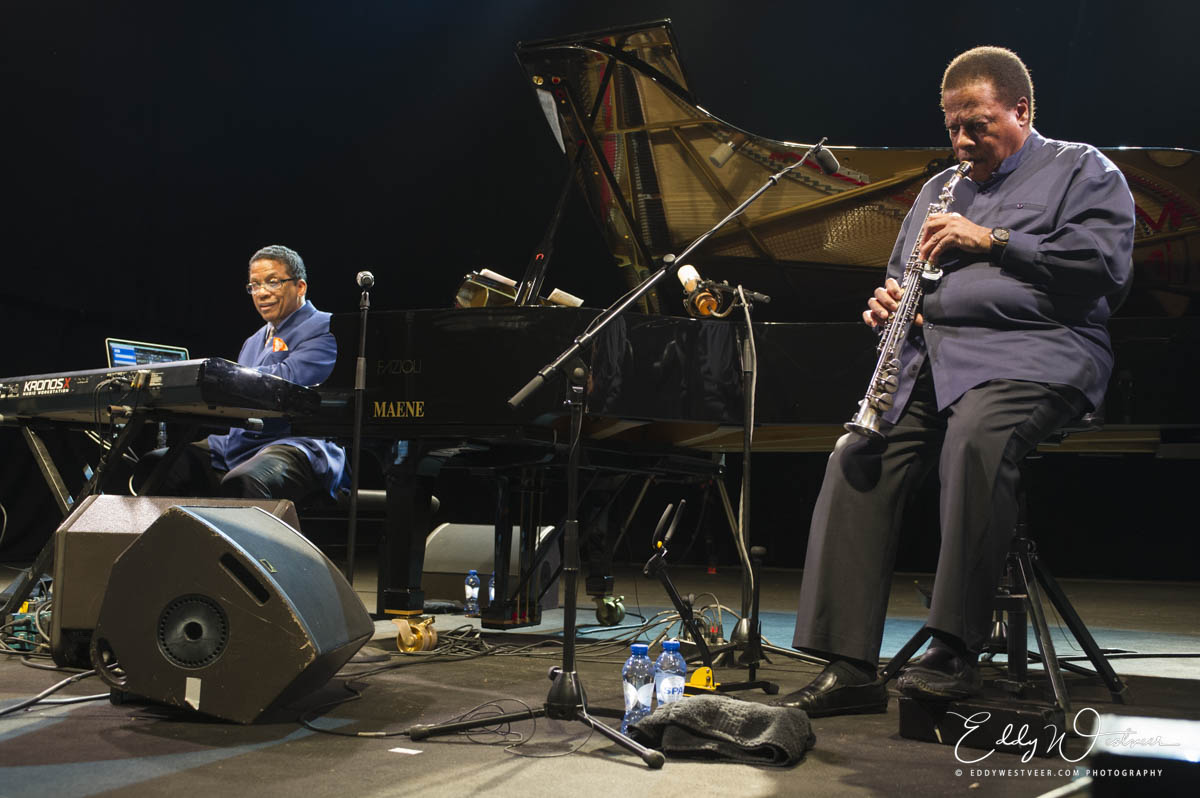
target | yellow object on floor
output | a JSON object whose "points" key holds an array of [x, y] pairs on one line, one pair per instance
{"points": [[700, 681], [415, 636]]}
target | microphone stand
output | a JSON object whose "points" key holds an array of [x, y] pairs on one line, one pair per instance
{"points": [[746, 637], [365, 281], [567, 699]]}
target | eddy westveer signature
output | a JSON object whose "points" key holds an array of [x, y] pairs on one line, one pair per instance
{"points": [[1021, 737]]}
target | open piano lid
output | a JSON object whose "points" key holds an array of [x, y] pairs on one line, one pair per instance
{"points": [[658, 171]]}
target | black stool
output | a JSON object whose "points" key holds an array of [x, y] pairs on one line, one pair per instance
{"points": [[1019, 599]]}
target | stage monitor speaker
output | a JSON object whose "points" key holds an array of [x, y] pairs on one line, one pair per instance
{"points": [[227, 611], [89, 541]]}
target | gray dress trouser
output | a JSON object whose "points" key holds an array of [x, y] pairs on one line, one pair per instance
{"points": [[977, 444]]}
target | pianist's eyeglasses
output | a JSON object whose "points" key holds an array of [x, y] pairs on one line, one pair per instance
{"points": [[271, 285]]}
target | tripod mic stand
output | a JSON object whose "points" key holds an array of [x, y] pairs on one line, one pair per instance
{"points": [[566, 700]]}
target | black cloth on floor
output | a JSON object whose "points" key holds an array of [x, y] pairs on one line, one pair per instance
{"points": [[727, 729]]}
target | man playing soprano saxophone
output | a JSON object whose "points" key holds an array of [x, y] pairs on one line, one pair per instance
{"points": [[1036, 250]]}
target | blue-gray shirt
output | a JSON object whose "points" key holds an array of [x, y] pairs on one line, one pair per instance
{"points": [[1040, 313]]}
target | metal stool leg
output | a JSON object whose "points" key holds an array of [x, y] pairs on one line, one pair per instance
{"points": [[1094, 653], [1041, 632]]}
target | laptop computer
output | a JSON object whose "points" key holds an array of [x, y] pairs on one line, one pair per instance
{"points": [[138, 353]]}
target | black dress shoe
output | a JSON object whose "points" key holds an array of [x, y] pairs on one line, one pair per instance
{"points": [[940, 674], [928, 657], [833, 693]]}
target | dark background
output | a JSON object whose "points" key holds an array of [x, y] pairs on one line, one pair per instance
{"points": [[149, 148]]}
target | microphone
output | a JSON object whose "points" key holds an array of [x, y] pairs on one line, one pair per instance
{"points": [[725, 150], [366, 279], [826, 160], [699, 300]]}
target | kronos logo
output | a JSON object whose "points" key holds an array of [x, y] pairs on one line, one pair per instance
{"points": [[50, 385]]}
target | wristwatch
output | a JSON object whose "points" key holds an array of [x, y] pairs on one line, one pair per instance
{"points": [[999, 242]]}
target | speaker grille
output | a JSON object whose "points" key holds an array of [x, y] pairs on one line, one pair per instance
{"points": [[193, 631]]}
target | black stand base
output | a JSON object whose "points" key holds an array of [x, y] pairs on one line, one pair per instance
{"points": [[565, 701], [744, 650]]}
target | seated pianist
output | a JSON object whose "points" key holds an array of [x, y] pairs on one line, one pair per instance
{"points": [[293, 343]]}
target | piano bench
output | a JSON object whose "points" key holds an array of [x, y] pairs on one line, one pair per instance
{"points": [[369, 500]]}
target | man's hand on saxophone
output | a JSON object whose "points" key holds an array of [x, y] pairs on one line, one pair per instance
{"points": [[881, 306], [945, 231], [942, 231]]}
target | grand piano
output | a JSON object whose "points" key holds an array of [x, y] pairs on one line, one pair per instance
{"points": [[657, 170]]}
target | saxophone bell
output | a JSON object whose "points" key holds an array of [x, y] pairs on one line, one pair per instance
{"points": [[865, 422]]}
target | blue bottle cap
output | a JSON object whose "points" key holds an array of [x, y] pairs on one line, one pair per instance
{"points": [[473, 571], [640, 648], [670, 645]]}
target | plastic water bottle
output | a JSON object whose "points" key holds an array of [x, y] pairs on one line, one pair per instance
{"points": [[471, 589], [492, 589], [637, 677], [670, 674]]}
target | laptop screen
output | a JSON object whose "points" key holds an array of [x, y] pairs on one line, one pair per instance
{"points": [[138, 353]]}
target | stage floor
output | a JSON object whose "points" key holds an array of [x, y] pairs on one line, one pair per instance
{"points": [[99, 748]]}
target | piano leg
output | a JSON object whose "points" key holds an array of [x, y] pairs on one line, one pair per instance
{"points": [[497, 614], [599, 542], [518, 600], [402, 548]]}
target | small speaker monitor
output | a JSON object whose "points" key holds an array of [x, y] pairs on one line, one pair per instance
{"points": [[227, 611]]}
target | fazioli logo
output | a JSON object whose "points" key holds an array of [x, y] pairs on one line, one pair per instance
{"points": [[51, 385], [398, 367]]}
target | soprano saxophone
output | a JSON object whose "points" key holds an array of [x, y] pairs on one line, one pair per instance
{"points": [[886, 379]]}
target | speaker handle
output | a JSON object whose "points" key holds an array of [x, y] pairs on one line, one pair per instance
{"points": [[104, 661]]}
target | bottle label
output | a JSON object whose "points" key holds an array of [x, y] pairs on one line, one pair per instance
{"points": [[471, 592], [638, 695], [670, 688]]}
